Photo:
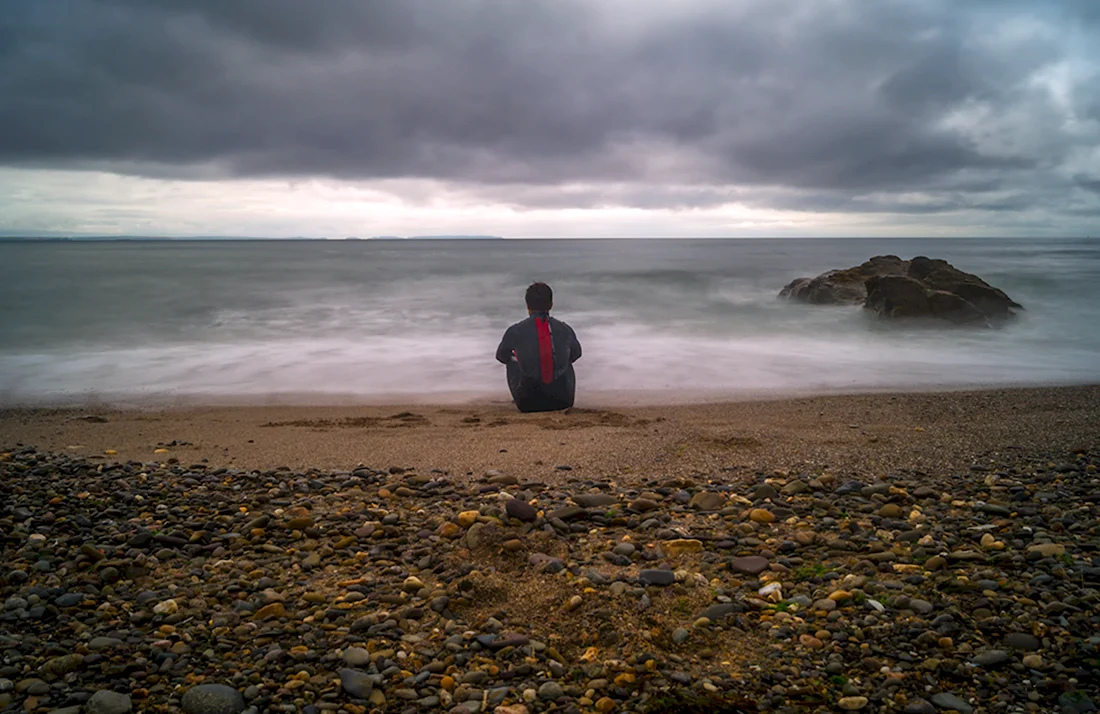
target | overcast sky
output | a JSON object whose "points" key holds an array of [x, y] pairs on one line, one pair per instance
{"points": [[550, 118]]}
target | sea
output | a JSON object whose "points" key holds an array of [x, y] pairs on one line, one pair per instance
{"points": [[158, 322]]}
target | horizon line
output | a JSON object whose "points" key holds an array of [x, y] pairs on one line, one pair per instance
{"points": [[86, 238]]}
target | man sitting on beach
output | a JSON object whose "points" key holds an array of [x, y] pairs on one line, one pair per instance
{"points": [[539, 353]]}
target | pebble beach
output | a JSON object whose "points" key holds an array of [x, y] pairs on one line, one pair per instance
{"points": [[861, 564]]}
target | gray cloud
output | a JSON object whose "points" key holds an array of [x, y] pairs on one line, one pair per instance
{"points": [[818, 106]]}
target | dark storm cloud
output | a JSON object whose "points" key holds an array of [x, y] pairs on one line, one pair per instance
{"points": [[813, 103]]}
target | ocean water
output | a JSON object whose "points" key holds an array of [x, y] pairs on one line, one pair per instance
{"points": [[659, 320]]}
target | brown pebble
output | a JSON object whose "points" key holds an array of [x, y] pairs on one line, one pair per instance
{"points": [[270, 611], [936, 562], [761, 515]]}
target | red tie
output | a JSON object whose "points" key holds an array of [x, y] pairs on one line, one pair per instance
{"points": [[546, 350]]}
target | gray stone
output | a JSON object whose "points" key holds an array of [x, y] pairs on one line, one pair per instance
{"points": [[763, 493], [921, 607], [501, 479], [595, 500], [992, 658], [107, 702], [749, 564], [657, 577], [17, 577], [521, 510], [720, 610], [680, 635], [550, 691], [212, 699], [257, 523], [102, 643], [546, 563], [1022, 641], [1076, 702], [947, 700], [795, 487], [34, 687], [568, 513], [466, 708], [919, 706], [62, 665], [356, 657], [477, 536], [509, 639], [357, 684], [15, 603], [69, 600], [708, 501]]}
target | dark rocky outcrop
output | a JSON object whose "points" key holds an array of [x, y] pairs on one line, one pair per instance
{"points": [[941, 275], [896, 288], [843, 287], [902, 296]]}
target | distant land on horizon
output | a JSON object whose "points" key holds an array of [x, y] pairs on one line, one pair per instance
{"points": [[89, 238], [439, 237], [47, 237]]}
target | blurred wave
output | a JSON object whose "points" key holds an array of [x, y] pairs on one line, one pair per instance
{"points": [[84, 321]]}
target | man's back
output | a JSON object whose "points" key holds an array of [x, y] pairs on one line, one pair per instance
{"points": [[539, 353]]}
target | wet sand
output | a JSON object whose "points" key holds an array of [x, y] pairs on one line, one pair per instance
{"points": [[862, 434]]}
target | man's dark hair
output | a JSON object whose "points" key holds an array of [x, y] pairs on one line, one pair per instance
{"points": [[539, 297]]}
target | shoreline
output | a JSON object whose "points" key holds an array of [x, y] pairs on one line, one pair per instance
{"points": [[587, 398], [937, 430]]}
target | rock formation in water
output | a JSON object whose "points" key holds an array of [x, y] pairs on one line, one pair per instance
{"points": [[896, 288]]}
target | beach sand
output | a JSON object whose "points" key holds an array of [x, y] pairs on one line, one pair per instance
{"points": [[862, 434]]}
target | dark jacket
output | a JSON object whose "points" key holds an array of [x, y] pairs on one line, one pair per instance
{"points": [[534, 388]]}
